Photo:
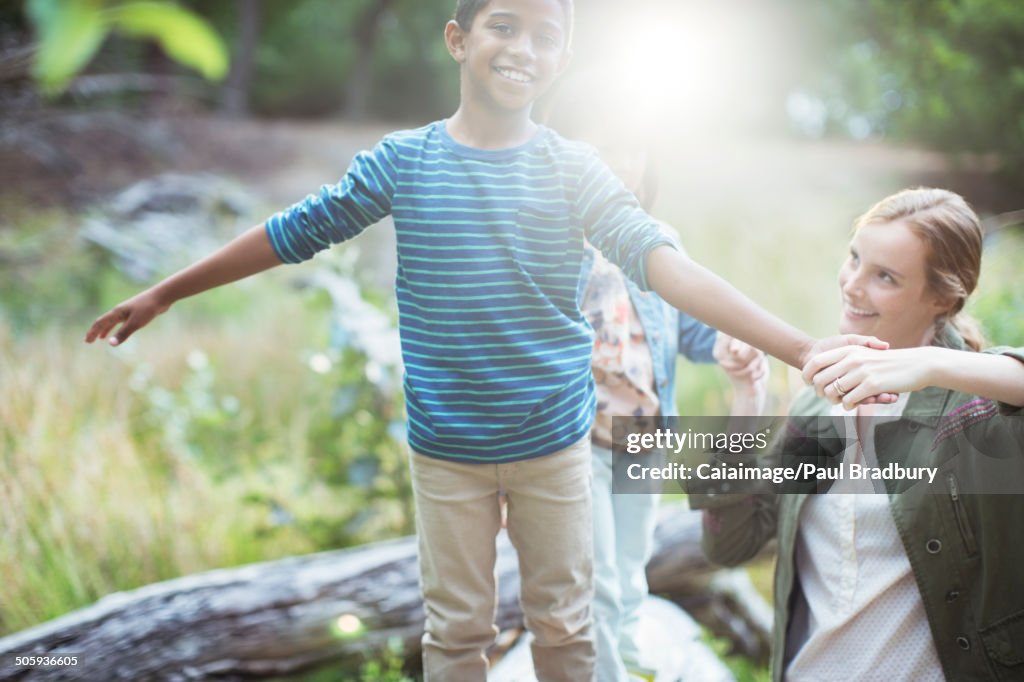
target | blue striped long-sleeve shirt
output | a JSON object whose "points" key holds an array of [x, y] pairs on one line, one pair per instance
{"points": [[490, 245]]}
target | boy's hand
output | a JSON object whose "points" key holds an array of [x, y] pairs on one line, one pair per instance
{"points": [[132, 315], [747, 369], [838, 341], [246, 254], [741, 362]]}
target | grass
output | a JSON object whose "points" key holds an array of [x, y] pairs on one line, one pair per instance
{"points": [[173, 454], [92, 503]]}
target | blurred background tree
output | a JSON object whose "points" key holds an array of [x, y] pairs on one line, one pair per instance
{"points": [[305, 58], [948, 74], [379, 58], [944, 73]]}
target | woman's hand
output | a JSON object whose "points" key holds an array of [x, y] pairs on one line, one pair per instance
{"points": [[131, 315], [854, 374], [862, 372]]}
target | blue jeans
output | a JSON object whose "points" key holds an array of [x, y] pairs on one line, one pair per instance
{"points": [[623, 538]]}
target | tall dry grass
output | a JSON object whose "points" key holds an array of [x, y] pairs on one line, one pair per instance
{"points": [[97, 496]]}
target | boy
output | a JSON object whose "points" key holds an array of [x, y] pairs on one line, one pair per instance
{"points": [[490, 213]]}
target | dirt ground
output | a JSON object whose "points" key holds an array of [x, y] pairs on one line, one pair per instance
{"points": [[282, 160], [739, 183]]}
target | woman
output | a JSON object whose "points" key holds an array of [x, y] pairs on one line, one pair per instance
{"points": [[924, 581]]}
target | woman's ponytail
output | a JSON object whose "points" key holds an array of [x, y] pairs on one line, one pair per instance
{"points": [[969, 330]]}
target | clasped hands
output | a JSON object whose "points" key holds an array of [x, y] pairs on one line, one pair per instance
{"points": [[861, 370]]}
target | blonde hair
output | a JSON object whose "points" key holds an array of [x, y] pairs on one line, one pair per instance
{"points": [[952, 233]]}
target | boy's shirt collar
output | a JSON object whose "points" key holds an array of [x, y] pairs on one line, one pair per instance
{"points": [[452, 145]]}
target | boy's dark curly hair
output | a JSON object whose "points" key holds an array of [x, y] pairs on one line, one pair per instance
{"points": [[466, 11]]}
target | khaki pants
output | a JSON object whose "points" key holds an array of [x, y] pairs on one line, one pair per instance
{"points": [[549, 523]]}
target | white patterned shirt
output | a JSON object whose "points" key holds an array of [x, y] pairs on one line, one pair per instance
{"points": [[860, 615]]}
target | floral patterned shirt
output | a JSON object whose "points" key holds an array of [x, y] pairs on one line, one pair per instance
{"points": [[622, 365]]}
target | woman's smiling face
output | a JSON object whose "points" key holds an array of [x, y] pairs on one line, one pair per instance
{"points": [[884, 286]]}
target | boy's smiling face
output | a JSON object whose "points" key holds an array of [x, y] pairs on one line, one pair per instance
{"points": [[512, 52]]}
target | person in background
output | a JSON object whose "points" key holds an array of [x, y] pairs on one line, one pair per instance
{"points": [[637, 340]]}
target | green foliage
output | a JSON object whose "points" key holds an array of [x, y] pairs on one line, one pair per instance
{"points": [[946, 73], [999, 302], [303, 55], [386, 664], [413, 71], [71, 31], [387, 667], [742, 668], [357, 445], [307, 50], [184, 36], [46, 278], [69, 35]]}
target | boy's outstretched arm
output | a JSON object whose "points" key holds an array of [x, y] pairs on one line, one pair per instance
{"points": [[247, 254], [694, 289]]}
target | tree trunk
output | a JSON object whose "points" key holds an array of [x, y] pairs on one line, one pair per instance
{"points": [[235, 97], [281, 617], [360, 78]]}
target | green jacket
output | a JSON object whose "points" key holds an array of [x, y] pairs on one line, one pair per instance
{"points": [[966, 550]]}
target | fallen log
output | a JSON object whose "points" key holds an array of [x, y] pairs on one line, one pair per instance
{"points": [[724, 601], [281, 617], [260, 620]]}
